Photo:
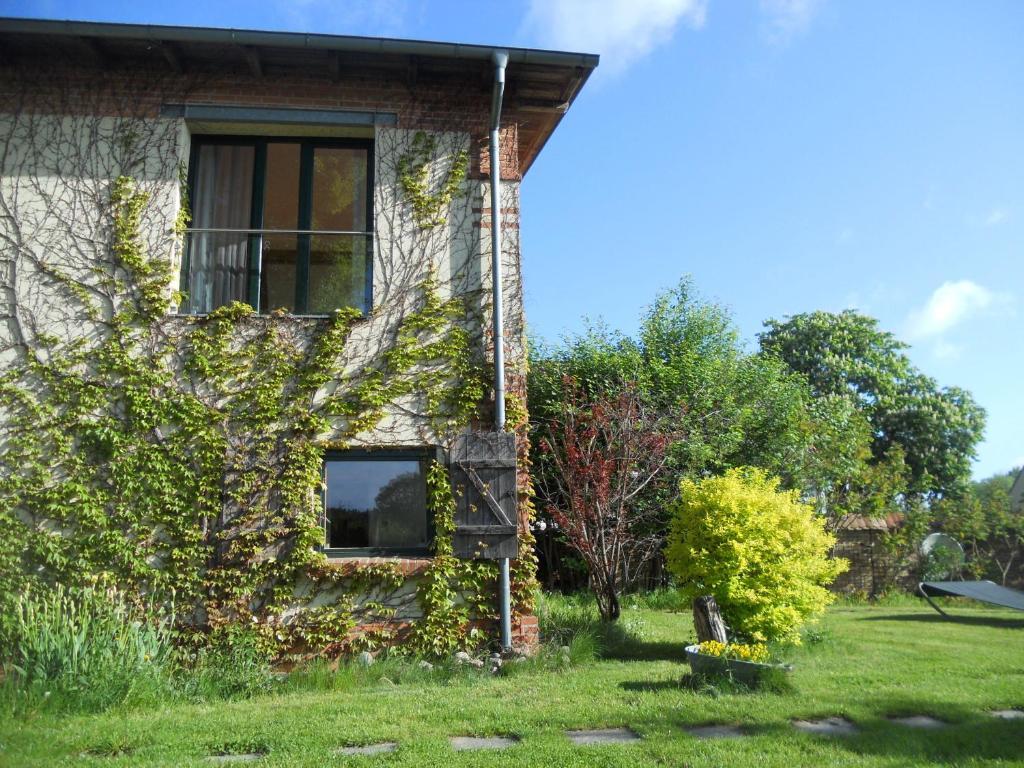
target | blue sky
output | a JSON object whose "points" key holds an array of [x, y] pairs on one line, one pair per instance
{"points": [[789, 155]]}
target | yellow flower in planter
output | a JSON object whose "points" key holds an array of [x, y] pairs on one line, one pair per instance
{"points": [[756, 652], [712, 648]]}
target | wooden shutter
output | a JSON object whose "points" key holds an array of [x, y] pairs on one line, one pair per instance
{"points": [[483, 467]]}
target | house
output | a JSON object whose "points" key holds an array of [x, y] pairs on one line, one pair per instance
{"points": [[257, 349]]}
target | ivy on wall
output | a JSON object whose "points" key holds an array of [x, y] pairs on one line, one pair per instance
{"points": [[181, 458], [415, 177]]}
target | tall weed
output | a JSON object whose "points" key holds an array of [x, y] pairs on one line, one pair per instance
{"points": [[84, 650]]}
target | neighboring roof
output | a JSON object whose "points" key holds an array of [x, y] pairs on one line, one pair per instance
{"points": [[540, 84], [890, 522]]}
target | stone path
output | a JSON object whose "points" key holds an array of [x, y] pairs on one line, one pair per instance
{"points": [[1008, 714], [828, 726], [919, 721], [461, 743], [715, 731], [245, 757], [369, 749], [825, 726], [603, 736]]}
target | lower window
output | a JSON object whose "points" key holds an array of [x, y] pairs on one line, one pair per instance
{"points": [[376, 503]]}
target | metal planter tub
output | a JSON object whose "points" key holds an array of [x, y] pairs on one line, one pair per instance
{"points": [[746, 672]]}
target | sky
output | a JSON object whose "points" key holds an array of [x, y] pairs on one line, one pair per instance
{"points": [[787, 155]]}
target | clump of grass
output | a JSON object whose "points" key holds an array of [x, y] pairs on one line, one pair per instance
{"points": [[893, 598], [816, 636], [112, 746], [84, 650], [771, 681], [322, 676], [234, 665], [239, 747], [574, 621]]}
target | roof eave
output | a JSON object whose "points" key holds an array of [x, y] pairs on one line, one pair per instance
{"points": [[348, 43]]}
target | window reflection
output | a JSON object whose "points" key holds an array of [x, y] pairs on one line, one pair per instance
{"points": [[377, 504]]}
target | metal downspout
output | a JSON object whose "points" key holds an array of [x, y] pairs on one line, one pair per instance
{"points": [[500, 59]]}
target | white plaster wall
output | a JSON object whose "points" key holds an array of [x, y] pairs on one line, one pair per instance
{"points": [[56, 177]]}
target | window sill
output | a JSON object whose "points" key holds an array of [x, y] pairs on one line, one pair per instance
{"points": [[408, 565], [199, 315], [342, 553]]}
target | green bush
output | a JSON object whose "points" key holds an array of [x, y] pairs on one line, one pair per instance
{"points": [[83, 650], [761, 553]]}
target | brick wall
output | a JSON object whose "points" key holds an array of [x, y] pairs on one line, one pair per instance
{"points": [[451, 104]]}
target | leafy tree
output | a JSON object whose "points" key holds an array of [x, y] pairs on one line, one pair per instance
{"points": [[756, 549], [989, 526], [847, 355], [687, 359], [730, 407]]}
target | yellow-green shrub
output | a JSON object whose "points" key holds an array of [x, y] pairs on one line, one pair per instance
{"points": [[761, 553]]}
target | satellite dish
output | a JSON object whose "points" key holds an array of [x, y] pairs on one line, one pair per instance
{"points": [[943, 555]]}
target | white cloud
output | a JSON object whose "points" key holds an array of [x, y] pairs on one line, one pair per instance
{"points": [[621, 31], [996, 216], [786, 19], [949, 305]]}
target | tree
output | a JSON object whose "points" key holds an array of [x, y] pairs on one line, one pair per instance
{"points": [[847, 355], [603, 454], [756, 549], [732, 407], [989, 526]]}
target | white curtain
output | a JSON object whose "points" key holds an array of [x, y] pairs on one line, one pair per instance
{"points": [[222, 200]]}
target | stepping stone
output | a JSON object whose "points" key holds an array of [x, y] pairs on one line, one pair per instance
{"points": [[829, 726], [1007, 714], [919, 721], [483, 742], [715, 731], [368, 749], [603, 736], [243, 757]]}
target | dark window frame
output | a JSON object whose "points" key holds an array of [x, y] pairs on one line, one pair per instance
{"points": [[307, 145], [424, 455]]}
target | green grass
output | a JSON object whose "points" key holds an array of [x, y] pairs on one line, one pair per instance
{"points": [[866, 662]]}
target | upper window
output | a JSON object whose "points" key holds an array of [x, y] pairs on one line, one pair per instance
{"points": [[376, 503], [280, 224]]}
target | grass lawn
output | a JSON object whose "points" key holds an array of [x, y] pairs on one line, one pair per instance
{"points": [[871, 662]]}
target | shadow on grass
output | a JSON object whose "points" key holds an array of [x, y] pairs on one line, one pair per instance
{"points": [[567, 620], [958, 618], [968, 735], [624, 647], [714, 686], [651, 686]]}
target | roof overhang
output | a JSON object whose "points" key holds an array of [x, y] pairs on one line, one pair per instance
{"points": [[541, 84]]}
